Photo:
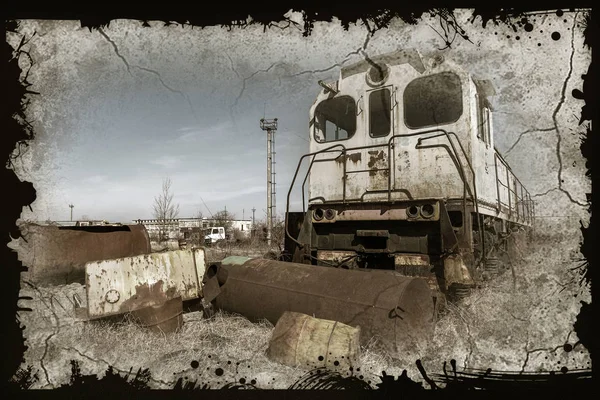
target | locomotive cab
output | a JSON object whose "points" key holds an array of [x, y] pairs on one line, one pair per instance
{"points": [[403, 174]]}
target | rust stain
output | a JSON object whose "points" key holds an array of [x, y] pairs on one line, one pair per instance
{"points": [[354, 157], [375, 156]]}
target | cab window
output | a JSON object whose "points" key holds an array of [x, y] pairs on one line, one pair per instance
{"points": [[380, 106], [335, 119], [433, 100]]}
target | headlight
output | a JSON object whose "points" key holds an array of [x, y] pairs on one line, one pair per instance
{"points": [[427, 210], [329, 214], [318, 214], [412, 211]]}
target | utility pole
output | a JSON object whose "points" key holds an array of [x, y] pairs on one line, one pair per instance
{"points": [[253, 224], [71, 205], [271, 127]]}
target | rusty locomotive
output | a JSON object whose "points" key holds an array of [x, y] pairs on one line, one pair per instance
{"points": [[403, 175]]}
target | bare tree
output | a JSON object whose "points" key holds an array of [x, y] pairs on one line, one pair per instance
{"points": [[164, 208], [225, 219], [198, 234], [277, 232]]}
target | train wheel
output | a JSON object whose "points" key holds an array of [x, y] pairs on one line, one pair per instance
{"points": [[491, 268], [458, 292]]}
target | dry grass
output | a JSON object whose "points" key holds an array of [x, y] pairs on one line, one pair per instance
{"points": [[495, 327], [225, 341], [214, 254]]}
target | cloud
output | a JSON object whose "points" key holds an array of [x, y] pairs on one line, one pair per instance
{"points": [[187, 129], [94, 179], [191, 133], [167, 161], [220, 196]]}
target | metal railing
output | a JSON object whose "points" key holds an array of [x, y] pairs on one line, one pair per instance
{"points": [[452, 151], [523, 210]]}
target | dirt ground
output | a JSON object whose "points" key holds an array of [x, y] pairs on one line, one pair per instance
{"points": [[518, 322]]}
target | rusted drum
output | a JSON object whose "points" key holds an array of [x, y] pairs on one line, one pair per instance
{"points": [[396, 310], [301, 340], [57, 255], [163, 318]]}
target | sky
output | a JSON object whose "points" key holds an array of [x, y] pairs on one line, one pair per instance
{"points": [[123, 108]]}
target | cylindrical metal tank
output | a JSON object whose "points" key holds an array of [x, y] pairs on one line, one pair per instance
{"points": [[57, 255], [301, 340], [396, 310], [164, 318]]}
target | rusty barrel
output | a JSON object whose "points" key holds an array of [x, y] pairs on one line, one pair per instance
{"points": [[57, 254], [163, 318], [301, 340], [396, 310]]}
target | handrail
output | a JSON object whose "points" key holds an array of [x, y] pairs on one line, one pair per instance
{"points": [[473, 192], [304, 182], [344, 150], [522, 198], [287, 208]]}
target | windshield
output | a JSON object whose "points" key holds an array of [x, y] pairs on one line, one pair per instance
{"points": [[215, 231], [433, 100], [335, 119]]}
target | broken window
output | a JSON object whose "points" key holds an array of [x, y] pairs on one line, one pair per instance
{"points": [[486, 126], [380, 106], [335, 119], [433, 100], [483, 119]]}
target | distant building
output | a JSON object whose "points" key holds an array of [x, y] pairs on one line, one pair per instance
{"points": [[190, 228], [100, 222]]}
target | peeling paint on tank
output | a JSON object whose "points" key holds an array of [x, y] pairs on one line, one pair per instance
{"points": [[179, 273]]}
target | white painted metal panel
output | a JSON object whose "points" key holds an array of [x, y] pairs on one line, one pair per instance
{"points": [[122, 285], [423, 173]]}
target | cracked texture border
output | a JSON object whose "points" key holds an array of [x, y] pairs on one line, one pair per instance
{"points": [[362, 50]]}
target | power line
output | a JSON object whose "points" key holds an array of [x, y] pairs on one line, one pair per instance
{"points": [[305, 139], [211, 214]]}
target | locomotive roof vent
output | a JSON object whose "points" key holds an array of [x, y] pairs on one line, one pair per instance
{"points": [[377, 74]]}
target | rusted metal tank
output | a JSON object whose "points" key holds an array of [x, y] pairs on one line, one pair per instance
{"points": [[396, 310], [163, 318], [126, 284], [58, 254], [301, 340]]}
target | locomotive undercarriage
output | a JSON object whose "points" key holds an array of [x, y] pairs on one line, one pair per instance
{"points": [[425, 238]]}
